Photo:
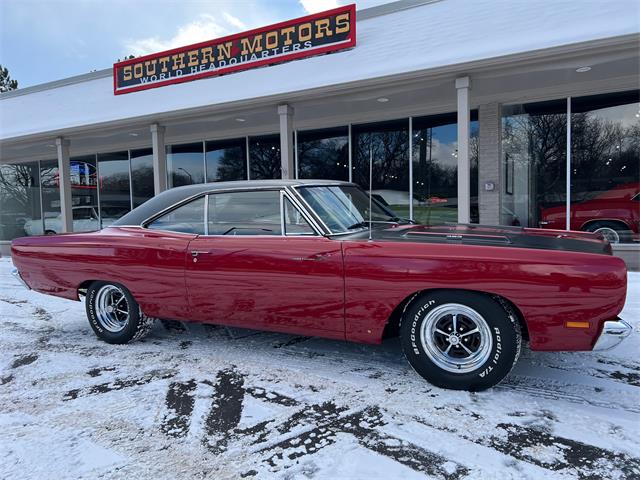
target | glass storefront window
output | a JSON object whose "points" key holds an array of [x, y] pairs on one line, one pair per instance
{"points": [[50, 185], [185, 164], [264, 157], [324, 154], [19, 200], [605, 165], [534, 141], [388, 144], [142, 187], [84, 194], [435, 168], [115, 187], [226, 160]]}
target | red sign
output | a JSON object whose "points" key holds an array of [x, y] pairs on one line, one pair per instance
{"points": [[315, 34]]}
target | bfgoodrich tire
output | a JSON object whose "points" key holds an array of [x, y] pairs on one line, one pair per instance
{"points": [[460, 340], [114, 315]]}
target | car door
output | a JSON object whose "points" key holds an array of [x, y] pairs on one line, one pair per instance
{"points": [[256, 268]]}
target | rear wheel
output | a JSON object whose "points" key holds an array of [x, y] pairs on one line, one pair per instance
{"points": [[611, 231], [460, 340], [114, 315]]}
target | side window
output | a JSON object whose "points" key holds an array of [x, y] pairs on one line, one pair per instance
{"points": [[245, 213], [294, 222], [82, 214], [188, 218]]}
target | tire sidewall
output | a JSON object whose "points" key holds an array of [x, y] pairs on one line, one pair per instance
{"points": [[127, 333], [504, 332]]}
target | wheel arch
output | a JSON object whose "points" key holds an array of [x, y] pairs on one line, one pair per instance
{"points": [[587, 224], [392, 327]]}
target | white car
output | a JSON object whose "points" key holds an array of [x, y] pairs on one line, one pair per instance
{"points": [[85, 219]]}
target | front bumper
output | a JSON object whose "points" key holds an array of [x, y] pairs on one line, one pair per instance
{"points": [[613, 332], [17, 276]]}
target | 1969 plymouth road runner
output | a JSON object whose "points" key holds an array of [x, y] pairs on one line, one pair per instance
{"points": [[302, 257]]}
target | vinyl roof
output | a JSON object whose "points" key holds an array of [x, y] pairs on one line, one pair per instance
{"points": [[421, 37]]}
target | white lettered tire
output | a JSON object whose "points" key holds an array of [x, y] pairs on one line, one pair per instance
{"points": [[114, 315], [460, 340]]}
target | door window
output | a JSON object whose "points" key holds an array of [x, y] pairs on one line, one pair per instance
{"points": [[188, 218], [245, 213]]}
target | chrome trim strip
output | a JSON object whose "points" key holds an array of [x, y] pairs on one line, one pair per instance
{"points": [[613, 333], [17, 276], [282, 231], [206, 214]]}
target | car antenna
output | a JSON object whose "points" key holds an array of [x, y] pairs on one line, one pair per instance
{"points": [[370, 184]]}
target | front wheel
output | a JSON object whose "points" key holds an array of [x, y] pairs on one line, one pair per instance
{"points": [[460, 340], [114, 315]]}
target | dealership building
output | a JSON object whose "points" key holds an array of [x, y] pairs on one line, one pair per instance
{"points": [[485, 111]]}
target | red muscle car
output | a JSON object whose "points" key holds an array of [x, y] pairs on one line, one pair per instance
{"points": [[614, 214], [300, 257]]}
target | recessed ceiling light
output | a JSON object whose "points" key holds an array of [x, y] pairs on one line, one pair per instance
{"points": [[134, 134], [383, 99], [50, 145], [240, 120], [583, 69]]}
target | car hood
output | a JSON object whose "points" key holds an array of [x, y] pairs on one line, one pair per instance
{"points": [[489, 235]]}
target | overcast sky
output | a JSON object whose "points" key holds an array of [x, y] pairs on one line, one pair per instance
{"points": [[45, 40]]}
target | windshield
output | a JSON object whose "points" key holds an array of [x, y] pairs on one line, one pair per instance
{"points": [[345, 208]]}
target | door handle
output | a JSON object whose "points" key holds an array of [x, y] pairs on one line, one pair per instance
{"points": [[313, 258], [195, 253]]}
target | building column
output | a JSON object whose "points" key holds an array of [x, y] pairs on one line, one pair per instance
{"points": [[286, 141], [159, 159], [489, 163], [464, 171], [64, 181]]}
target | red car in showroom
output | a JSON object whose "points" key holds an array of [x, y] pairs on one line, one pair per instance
{"points": [[321, 258], [614, 214]]}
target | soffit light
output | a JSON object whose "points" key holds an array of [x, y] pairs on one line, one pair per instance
{"points": [[583, 69], [382, 99], [134, 134], [241, 120]]}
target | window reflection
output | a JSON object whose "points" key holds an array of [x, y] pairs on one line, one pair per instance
{"points": [[142, 186], [388, 144], [324, 154], [226, 160], [84, 196], [264, 157], [50, 184], [435, 168], [115, 193], [19, 200], [605, 165], [185, 164], [534, 141]]}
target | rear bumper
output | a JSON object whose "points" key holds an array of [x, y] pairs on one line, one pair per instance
{"points": [[16, 275], [613, 332]]}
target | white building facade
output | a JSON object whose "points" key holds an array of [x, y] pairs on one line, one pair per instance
{"points": [[494, 112]]}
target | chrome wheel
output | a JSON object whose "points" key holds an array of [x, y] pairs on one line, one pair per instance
{"points": [[609, 234], [112, 308], [456, 338]]}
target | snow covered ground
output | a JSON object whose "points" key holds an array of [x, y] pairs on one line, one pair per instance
{"points": [[197, 402]]}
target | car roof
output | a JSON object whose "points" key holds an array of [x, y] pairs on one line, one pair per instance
{"points": [[175, 195]]}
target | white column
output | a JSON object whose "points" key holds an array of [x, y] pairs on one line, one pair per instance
{"points": [[64, 179], [159, 159], [464, 171], [286, 141]]}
